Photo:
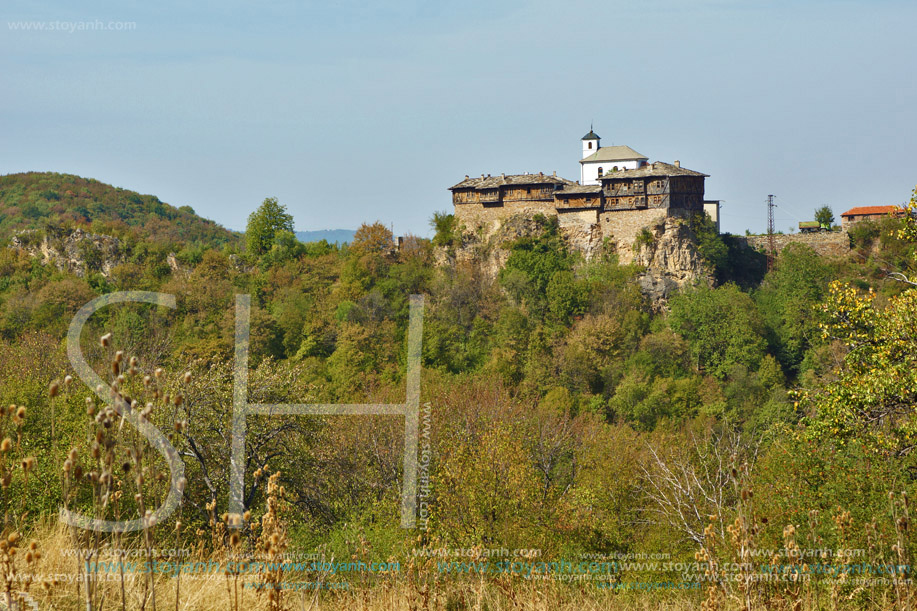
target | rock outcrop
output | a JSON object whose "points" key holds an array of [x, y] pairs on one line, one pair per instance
{"points": [[488, 247], [79, 252], [670, 259], [665, 248]]}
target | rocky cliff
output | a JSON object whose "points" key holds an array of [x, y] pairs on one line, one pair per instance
{"points": [[666, 250], [670, 259], [78, 252], [487, 246]]}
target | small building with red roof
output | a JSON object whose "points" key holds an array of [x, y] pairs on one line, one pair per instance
{"points": [[869, 213]]}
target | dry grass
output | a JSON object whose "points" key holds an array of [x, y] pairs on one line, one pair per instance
{"points": [[396, 592]]}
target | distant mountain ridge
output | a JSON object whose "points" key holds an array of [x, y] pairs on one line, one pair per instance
{"points": [[330, 235], [38, 200]]}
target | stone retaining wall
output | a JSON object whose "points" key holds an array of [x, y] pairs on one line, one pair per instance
{"points": [[825, 243]]}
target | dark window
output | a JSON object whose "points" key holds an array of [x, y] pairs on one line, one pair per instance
{"points": [[600, 170], [590, 145]]}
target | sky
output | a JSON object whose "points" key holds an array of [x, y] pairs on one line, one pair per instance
{"points": [[353, 112]]}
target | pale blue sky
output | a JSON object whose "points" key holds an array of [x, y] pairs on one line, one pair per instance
{"points": [[353, 111]]}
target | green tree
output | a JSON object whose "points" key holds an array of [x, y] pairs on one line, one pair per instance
{"points": [[825, 216], [371, 255], [533, 262], [566, 296], [722, 326], [710, 245], [285, 247], [445, 226], [264, 224], [787, 300]]}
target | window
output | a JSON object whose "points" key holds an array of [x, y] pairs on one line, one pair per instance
{"points": [[590, 145], [600, 171]]}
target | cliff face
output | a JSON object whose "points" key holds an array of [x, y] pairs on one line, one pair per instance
{"points": [[79, 252], [665, 247], [671, 260], [487, 246]]}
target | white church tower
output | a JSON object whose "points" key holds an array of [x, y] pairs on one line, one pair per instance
{"points": [[598, 161], [590, 143]]}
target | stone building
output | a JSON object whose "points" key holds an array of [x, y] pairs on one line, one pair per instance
{"points": [[622, 203], [869, 213]]}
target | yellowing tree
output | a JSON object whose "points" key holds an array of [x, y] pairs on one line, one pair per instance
{"points": [[874, 397]]}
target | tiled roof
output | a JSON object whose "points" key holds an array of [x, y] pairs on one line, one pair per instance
{"points": [[869, 210], [579, 190], [614, 153], [657, 168], [493, 182]]}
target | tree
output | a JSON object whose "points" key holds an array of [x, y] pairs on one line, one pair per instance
{"points": [[533, 262], [825, 217], [264, 224], [787, 300], [372, 253], [375, 239], [908, 235], [722, 326], [710, 245], [445, 226], [872, 399]]}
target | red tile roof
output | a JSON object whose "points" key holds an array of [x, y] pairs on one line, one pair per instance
{"points": [[867, 210]]}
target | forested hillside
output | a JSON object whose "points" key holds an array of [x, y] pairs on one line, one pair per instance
{"points": [[565, 415], [36, 200]]}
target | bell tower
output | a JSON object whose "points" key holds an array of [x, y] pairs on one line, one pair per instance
{"points": [[590, 143]]}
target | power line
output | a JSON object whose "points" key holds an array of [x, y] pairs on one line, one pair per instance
{"points": [[771, 243]]}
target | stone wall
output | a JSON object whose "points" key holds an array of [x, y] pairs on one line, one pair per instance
{"points": [[581, 230], [825, 243], [472, 216], [623, 226]]}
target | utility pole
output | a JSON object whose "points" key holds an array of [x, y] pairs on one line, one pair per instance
{"points": [[771, 244]]}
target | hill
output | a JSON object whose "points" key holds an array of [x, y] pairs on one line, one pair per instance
{"points": [[330, 235], [37, 200]]}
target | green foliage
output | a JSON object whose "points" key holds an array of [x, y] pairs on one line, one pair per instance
{"points": [[788, 298], [643, 402], [663, 353], [566, 296], [644, 238], [871, 400], [557, 394], [444, 225], [862, 234], [743, 266], [908, 231], [532, 263], [756, 399], [824, 216], [723, 327], [38, 200], [710, 245], [265, 225]]}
